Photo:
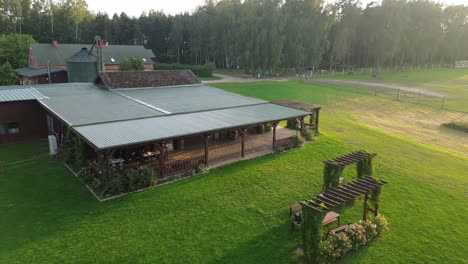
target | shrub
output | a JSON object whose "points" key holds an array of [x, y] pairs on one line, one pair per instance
{"points": [[200, 168], [356, 234], [199, 70], [336, 247], [291, 124], [267, 127], [308, 135], [132, 64], [381, 224], [370, 230], [460, 126], [298, 141]]}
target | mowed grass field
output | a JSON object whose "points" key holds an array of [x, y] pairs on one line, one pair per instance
{"points": [[450, 83], [239, 213]]}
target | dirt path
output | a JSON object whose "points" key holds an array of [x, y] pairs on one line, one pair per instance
{"points": [[241, 79], [379, 85]]}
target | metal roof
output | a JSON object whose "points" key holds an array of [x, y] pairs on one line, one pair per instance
{"points": [[118, 134], [80, 104], [31, 72], [44, 52], [82, 56], [19, 93], [189, 98]]}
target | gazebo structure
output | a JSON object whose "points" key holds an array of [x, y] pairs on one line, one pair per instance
{"points": [[313, 117], [336, 194]]}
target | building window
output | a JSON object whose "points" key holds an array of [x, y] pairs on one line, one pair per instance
{"points": [[3, 128], [13, 128]]}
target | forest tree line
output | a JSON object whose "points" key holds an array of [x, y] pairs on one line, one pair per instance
{"points": [[261, 35]]}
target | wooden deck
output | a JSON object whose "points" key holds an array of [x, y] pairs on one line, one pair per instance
{"points": [[223, 152]]}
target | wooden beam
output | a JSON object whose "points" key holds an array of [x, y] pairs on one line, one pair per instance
{"points": [[364, 217], [317, 112], [243, 132], [274, 134], [206, 150]]}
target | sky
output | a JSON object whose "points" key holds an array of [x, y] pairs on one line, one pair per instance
{"points": [[136, 7]]}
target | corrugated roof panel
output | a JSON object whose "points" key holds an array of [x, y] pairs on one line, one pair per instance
{"points": [[115, 134], [191, 98], [20, 94], [31, 72], [81, 104], [44, 52]]}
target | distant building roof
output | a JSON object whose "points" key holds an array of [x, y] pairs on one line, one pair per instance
{"points": [[33, 72], [112, 54], [82, 56], [15, 93], [138, 79]]}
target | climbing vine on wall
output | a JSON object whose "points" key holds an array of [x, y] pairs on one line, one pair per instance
{"points": [[365, 168], [311, 228], [72, 151], [331, 176]]}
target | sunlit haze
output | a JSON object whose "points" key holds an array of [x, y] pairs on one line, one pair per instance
{"points": [[136, 7]]}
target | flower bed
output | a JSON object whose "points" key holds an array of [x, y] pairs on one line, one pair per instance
{"points": [[353, 238]]}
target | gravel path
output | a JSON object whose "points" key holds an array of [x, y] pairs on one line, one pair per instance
{"points": [[379, 85], [240, 79]]}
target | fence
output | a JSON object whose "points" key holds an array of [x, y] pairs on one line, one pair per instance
{"points": [[179, 166], [284, 143]]}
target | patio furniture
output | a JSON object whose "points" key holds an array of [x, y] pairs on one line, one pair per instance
{"points": [[331, 217], [295, 209], [336, 231]]}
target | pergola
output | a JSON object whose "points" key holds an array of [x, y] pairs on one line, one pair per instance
{"points": [[339, 196], [314, 117], [349, 159]]}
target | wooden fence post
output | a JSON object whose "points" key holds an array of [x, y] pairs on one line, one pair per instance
{"points": [[398, 95]]}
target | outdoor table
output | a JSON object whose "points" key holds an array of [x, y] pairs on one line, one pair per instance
{"points": [[330, 217]]}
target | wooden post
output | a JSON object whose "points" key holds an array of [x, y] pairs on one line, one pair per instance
{"points": [[376, 210], [364, 217], [274, 134], [206, 150], [243, 132], [162, 157], [398, 95], [317, 121], [301, 120], [419, 97], [443, 101]]}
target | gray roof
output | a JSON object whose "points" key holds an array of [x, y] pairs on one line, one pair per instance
{"points": [[112, 118], [44, 52], [82, 56], [12, 93], [117, 134], [31, 72], [86, 104], [189, 98]]}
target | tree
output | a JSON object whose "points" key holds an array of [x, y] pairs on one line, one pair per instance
{"points": [[7, 75], [132, 64], [14, 48]]}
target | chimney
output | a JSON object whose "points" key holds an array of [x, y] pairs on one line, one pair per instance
{"points": [[55, 43]]}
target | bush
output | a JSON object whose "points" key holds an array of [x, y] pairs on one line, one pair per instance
{"points": [[199, 70], [336, 247], [130, 180], [460, 126], [308, 135], [381, 224], [370, 230], [298, 141], [267, 127], [200, 168], [132, 64], [356, 234]]}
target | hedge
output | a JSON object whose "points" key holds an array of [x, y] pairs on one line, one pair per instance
{"points": [[199, 70]]}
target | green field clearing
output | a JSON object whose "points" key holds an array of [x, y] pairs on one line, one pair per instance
{"points": [[451, 83], [239, 213]]}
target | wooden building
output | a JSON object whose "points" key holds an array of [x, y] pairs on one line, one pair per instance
{"points": [[166, 120]]}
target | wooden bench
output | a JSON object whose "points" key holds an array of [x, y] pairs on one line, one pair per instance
{"points": [[336, 230]]}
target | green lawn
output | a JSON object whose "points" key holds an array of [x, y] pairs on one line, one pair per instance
{"points": [[451, 83], [237, 213], [211, 78]]}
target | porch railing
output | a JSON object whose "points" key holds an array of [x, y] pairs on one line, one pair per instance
{"points": [[179, 166], [284, 143]]}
